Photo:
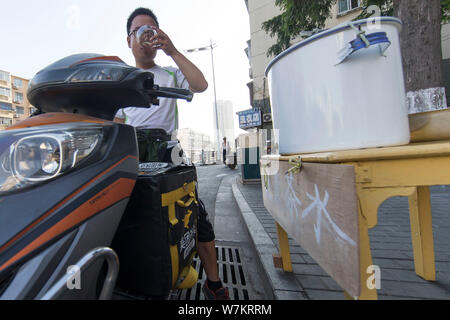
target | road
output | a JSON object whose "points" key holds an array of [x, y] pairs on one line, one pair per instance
{"points": [[209, 179]]}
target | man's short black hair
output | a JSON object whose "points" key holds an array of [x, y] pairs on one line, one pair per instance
{"points": [[138, 12]]}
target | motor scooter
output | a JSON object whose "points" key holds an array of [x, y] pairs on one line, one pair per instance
{"points": [[66, 176]]}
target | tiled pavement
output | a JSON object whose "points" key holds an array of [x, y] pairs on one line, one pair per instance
{"points": [[391, 248]]}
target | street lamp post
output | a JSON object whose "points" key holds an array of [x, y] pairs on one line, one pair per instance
{"points": [[211, 47]]}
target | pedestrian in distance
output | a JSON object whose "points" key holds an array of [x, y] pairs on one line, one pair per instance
{"points": [[225, 150]]}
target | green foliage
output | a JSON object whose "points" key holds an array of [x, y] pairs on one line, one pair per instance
{"points": [[445, 5], [386, 7], [297, 16], [308, 15]]}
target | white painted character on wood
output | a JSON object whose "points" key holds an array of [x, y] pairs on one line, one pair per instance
{"points": [[320, 207], [293, 202]]}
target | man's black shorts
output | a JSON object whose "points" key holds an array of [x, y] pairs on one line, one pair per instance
{"points": [[205, 228]]}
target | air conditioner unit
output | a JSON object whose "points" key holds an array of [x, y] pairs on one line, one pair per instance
{"points": [[267, 117]]}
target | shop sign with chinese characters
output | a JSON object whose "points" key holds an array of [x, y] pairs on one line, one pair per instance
{"points": [[250, 118]]}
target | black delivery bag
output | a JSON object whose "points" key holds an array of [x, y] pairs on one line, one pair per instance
{"points": [[157, 237]]}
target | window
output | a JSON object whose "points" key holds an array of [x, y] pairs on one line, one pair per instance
{"points": [[6, 92], [5, 121], [348, 5], [18, 97], [5, 106], [33, 110], [20, 111], [4, 76], [17, 83]]}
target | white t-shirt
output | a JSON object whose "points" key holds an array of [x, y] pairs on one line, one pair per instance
{"points": [[164, 116], [226, 146]]}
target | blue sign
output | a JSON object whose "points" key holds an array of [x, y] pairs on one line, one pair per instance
{"points": [[250, 118]]}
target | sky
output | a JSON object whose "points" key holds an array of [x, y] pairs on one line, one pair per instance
{"points": [[38, 33]]}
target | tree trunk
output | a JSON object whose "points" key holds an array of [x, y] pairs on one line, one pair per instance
{"points": [[422, 53]]}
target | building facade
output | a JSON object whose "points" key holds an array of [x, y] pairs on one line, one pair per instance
{"points": [[259, 11], [197, 146], [14, 105]]}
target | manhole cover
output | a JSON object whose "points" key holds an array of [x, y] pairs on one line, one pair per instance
{"points": [[231, 271]]}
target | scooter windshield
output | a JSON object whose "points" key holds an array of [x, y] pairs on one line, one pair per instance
{"points": [[89, 84]]}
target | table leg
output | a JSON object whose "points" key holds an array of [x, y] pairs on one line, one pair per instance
{"points": [[422, 233], [368, 285], [283, 242], [372, 198]]}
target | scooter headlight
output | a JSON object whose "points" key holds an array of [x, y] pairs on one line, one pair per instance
{"points": [[29, 157]]}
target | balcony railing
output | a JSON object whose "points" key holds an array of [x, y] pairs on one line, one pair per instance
{"points": [[6, 113]]}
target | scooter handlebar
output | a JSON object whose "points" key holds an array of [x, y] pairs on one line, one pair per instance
{"points": [[174, 93]]}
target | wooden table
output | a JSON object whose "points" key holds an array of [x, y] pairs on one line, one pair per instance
{"points": [[376, 175]]}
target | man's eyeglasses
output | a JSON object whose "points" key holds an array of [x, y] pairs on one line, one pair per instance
{"points": [[143, 29], [133, 32]]}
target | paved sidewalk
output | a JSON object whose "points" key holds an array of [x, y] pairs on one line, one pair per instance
{"points": [[391, 250]]}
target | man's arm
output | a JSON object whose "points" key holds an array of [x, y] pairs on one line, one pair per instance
{"points": [[120, 117], [195, 78]]}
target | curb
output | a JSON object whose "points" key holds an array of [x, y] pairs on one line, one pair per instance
{"points": [[281, 283]]}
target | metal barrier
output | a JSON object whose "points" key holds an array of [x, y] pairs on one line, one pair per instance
{"points": [[205, 157]]}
